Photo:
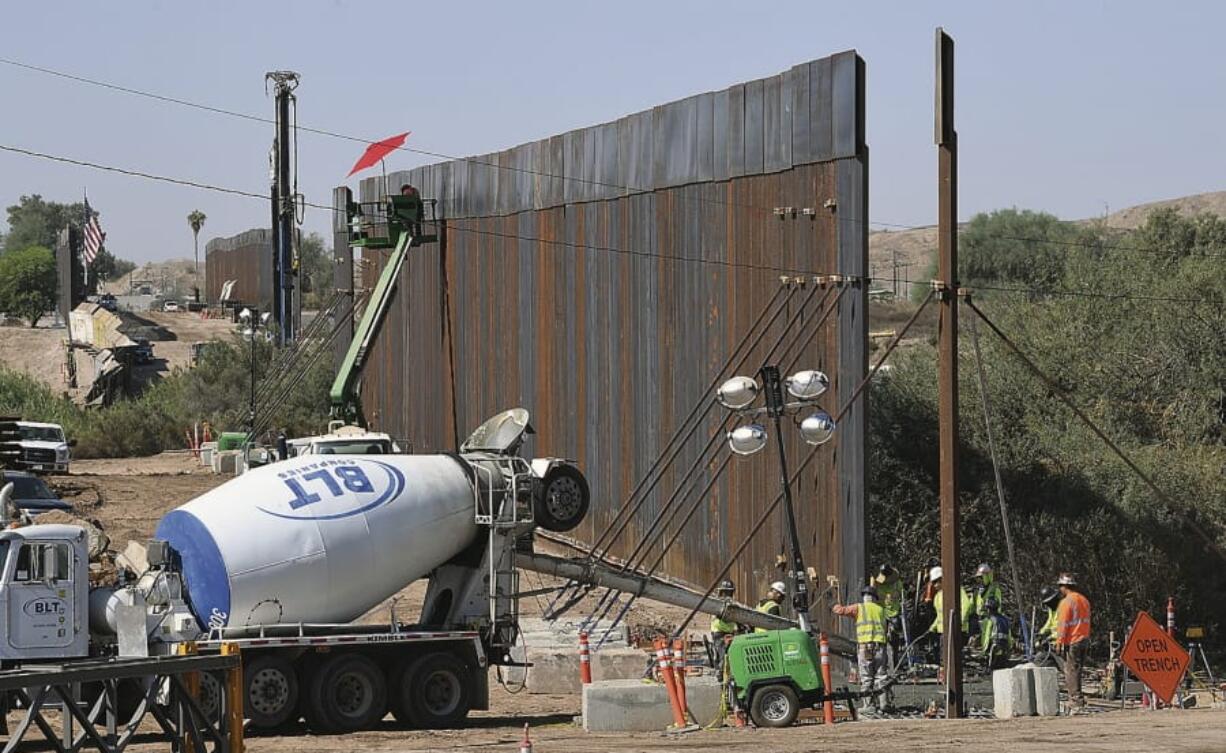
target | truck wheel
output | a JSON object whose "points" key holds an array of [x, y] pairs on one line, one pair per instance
{"points": [[433, 692], [210, 695], [270, 692], [347, 693], [562, 499], [774, 706]]}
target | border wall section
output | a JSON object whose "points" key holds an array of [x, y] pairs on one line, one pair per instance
{"points": [[601, 277]]}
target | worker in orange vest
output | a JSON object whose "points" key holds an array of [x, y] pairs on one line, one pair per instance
{"points": [[1073, 637]]}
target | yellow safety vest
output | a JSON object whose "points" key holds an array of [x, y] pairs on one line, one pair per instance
{"points": [[1052, 625], [720, 625], [870, 623], [990, 591], [766, 606], [890, 595], [938, 603]]}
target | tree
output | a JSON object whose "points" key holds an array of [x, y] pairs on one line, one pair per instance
{"points": [[195, 220], [36, 222], [27, 283], [315, 270], [109, 267]]}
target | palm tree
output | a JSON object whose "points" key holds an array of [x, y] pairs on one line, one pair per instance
{"points": [[196, 220]]}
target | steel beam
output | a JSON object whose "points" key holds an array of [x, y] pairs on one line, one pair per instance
{"points": [[947, 251]]}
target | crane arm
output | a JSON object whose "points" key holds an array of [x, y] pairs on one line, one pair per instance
{"points": [[344, 396]]}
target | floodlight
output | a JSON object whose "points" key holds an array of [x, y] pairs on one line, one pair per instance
{"points": [[737, 392], [817, 428], [747, 439], [807, 385]]}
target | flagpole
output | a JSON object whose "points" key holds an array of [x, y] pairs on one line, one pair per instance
{"points": [[84, 264]]}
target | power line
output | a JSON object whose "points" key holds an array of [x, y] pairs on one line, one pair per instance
{"points": [[348, 137], [579, 246], [133, 173], [528, 171], [264, 197]]}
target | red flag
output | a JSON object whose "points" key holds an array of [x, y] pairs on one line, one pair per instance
{"points": [[378, 151]]}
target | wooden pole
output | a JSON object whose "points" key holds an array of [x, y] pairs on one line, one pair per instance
{"points": [[947, 284]]}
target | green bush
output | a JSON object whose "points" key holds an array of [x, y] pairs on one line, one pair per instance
{"points": [[1148, 372], [216, 390]]}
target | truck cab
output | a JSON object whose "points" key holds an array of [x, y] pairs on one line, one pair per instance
{"points": [[343, 440], [44, 593]]}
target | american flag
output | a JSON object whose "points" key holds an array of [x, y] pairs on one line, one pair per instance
{"points": [[93, 235]]}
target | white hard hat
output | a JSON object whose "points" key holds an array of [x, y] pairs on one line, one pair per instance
{"points": [[935, 573], [779, 586], [1066, 579], [983, 569]]}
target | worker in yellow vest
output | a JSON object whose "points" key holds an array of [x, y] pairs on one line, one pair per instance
{"points": [[935, 576], [870, 646], [722, 631], [773, 603], [891, 594]]}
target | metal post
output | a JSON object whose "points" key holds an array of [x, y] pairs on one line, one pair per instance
{"points": [[233, 721], [797, 586], [947, 247], [283, 209], [251, 404]]}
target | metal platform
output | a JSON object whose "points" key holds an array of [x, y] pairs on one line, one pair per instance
{"points": [[159, 685]]}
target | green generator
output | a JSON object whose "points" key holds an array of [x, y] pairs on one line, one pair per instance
{"points": [[775, 674]]}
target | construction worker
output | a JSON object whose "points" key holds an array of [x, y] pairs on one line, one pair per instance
{"points": [[414, 213], [987, 588], [722, 631], [890, 592], [871, 646], [773, 603], [995, 641], [1073, 637], [1050, 599], [935, 577]]}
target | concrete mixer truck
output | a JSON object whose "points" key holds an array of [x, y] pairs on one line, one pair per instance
{"points": [[283, 559]]}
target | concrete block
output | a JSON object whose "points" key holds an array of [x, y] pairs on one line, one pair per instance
{"points": [[1046, 690], [553, 672], [1013, 692], [638, 706], [619, 664]]}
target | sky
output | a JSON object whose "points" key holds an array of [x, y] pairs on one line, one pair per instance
{"points": [[1069, 107]]}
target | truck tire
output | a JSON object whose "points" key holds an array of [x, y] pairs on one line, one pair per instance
{"points": [[347, 693], [432, 692], [209, 697], [774, 706], [270, 692], [562, 499]]}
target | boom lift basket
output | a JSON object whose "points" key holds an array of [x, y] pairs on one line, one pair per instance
{"points": [[378, 224]]}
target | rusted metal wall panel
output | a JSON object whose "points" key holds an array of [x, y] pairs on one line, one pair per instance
{"points": [[609, 314], [245, 258]]}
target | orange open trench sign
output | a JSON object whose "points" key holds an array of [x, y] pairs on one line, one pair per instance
{"points": [[1154, 657]]}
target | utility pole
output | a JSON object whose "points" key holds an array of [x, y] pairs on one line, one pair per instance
{"points": [[283, 207], [947, 385]]}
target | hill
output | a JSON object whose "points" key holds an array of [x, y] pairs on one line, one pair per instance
{"points": [[911, 249]]}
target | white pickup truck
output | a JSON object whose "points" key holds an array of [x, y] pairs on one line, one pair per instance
{"points": [[44, 447]]}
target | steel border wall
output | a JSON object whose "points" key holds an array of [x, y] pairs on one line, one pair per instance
{"points": [[537, 296], [247, 258]]}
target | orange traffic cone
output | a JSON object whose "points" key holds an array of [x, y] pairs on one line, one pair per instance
{"points": [[525, 745]]}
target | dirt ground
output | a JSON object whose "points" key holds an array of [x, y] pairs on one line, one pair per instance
{"points": [[128, 496]]}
